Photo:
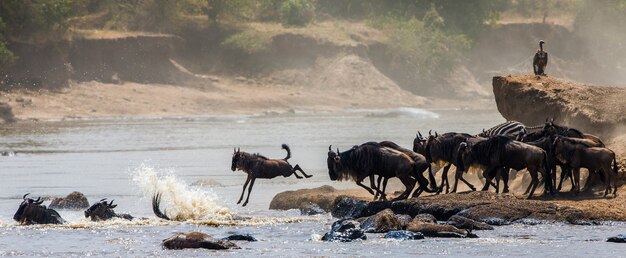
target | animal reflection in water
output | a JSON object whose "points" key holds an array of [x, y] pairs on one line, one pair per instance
{"points": [[258, 166]]}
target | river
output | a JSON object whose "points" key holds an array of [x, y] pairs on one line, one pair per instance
{"points": [[128, 159]]}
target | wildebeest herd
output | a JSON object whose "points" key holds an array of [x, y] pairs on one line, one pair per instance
{"points": [[496, 151]]}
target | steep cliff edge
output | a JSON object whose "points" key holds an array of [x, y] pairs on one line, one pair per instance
{"points": [[594, 109]]}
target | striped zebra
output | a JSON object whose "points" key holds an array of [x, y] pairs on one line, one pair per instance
{"points": [[512, 129]]}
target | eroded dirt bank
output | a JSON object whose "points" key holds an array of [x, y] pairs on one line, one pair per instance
{"points": [[595, 109]]}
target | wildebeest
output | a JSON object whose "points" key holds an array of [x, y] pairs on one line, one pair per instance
{"points": [[580, 155], [421, 164], [370, 159], [443, 149], [32, 212], [258, 166], [156, 202], [104, 211], [501, 152]]}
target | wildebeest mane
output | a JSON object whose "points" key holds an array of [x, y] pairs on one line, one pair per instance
{"points": [[445, 147], [493, 148], [357, 161]]}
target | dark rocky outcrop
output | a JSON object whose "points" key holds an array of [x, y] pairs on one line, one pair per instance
{"points": [[74, 200], [466, 223], [345, 231], [404, 235], [196, 240], [621, 238], [240, 237], [530, 100]]}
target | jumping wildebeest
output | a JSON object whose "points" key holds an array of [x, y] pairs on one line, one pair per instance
{"points": [[443, 149], [580, 155], [501, 152], [156, 202], [371, 159], [257, 166], [32, 212], [104, 211]]}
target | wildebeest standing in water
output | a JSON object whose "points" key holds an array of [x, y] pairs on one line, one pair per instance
{"points": [[579, 155], [501, 152], [371, 159], [32, 212], [104, 211], [258, 166], [443, 149]]}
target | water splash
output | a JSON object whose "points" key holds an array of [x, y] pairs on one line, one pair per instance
{"points": [[181, 201]]}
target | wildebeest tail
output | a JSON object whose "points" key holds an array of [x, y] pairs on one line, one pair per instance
{"points": [[285, 147], [615, 169], [549, 183], [418, 172], [156, 201]]}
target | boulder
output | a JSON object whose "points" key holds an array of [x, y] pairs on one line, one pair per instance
{"points": [[424, 218], [323, 196], [74, 200], [196, 240], [381, 222], [345, 231], [437, 230], [348, 207], [466, 223], [621, 238], [311, 209], [404, 220], [6, 113], [240, 237], [404, 235]]}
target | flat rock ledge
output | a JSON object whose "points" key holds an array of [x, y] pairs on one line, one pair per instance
{"points": [[482, 207]]}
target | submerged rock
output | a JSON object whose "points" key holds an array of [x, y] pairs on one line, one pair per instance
{"points": [[437, 230], [404, 235], [381, 222], [74, 200], [345, 231], [348, 207], [312, 209], [240, 237], [196, 240], [466, 223], [621, 238]]}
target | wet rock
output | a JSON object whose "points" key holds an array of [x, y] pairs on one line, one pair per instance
{"points": [[404, 220], [311, 209], [621, 238], [404, 235], [437, 230], [74, 200], [240, 237], [424, 218], [381, 222], [323, 196], [6, 113], [196, 240], [348, 207], [345, 231], [466, 223]]}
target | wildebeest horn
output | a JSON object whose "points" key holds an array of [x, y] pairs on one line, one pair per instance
{"points": [[238, 150], [111, 203], [330, 148], [436, 134], [103, 200], [337, 150], [430, 133], [420, 134], [38, 201], [234, 150], [24, 197]]}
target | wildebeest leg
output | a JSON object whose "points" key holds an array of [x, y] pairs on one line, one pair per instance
{"points": [[249, 190], [505, 179], [534, 181], [576, 175], [377, 186], [409, 183], [606, 171], [298, 168], [488, 174], [459, 176], [564, 173], [383, 196], [444, 179], [360, 183], [431, 177], [244, 189]]}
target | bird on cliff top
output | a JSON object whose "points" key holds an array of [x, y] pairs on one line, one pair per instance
{"points": [[540, 60]]}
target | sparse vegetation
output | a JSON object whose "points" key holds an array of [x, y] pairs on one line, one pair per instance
{"points": [[248, 41], [296, 12]]}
